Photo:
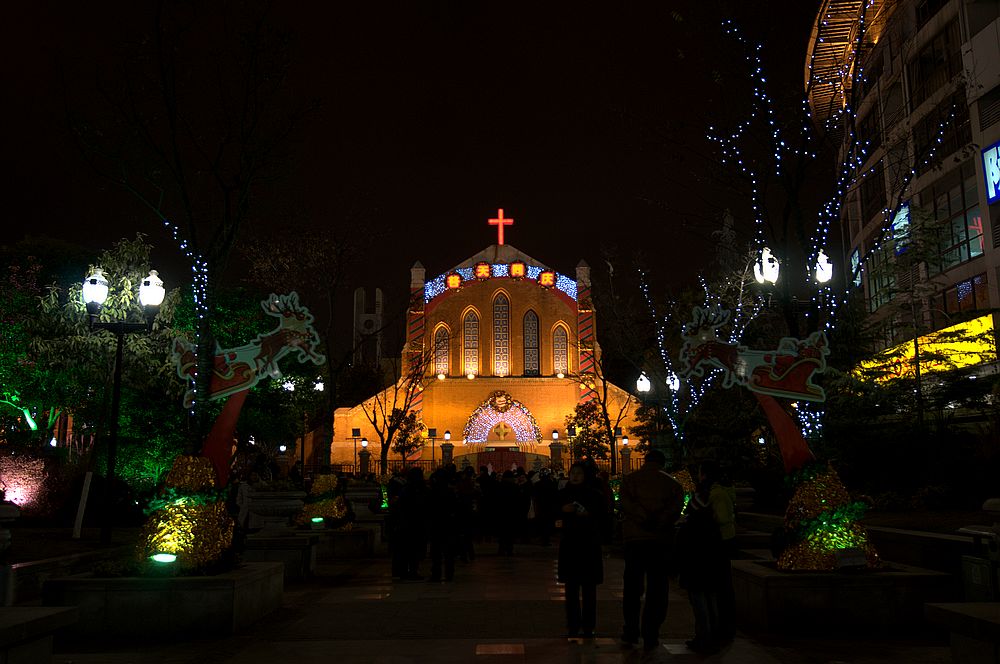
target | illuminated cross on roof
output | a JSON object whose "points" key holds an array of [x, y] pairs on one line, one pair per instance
{"points": [[500, 222]]}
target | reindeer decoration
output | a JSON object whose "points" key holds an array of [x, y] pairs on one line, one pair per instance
{"points": [[238, 369]]}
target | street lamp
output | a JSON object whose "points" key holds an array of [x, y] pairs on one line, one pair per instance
{"points": [[624, 453], [355, 434], [766, 269], [432, 434], [642, 384], [95, 293], [824, 268], [555, 435], [571, 433]]}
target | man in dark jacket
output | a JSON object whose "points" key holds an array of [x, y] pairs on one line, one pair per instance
{"points": [[651, 502]]}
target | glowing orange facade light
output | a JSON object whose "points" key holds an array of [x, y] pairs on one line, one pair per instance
{"points": [[547, 279], [517, 270], [482, 271], [453, 281], [500, 222]]}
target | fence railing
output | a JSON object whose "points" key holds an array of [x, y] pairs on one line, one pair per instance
{"points": [[398, 465]]}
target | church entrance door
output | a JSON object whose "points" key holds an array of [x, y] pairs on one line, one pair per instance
{"points": [[502, 458]]}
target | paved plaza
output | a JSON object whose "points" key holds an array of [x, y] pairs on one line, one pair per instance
{"points": [[498, 610]]}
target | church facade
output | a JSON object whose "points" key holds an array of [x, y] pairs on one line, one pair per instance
{"points": [[500, 349]]}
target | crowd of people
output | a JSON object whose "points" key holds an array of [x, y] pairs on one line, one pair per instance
{"points": [[452, 512]]}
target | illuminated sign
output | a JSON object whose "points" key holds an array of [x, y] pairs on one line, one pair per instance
{"points": [[517, 270], [547, 279], [453, 281], [991, 172], [482, 271], [963, 345]]}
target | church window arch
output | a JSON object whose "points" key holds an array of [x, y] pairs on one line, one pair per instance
{"points": [[442, 347], [501, 335], [470, 343], [560, 350], [531, 354]]}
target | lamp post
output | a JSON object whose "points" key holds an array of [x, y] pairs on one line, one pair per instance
{"points": [[625, 455], [432, 434], [95, 293], [614, 449], [571, 434], [355, 434], [365, 457]]}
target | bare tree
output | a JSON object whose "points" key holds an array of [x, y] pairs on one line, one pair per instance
{"points": [[193, 123]]}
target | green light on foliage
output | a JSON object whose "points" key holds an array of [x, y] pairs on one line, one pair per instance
{"points": [[163, 557], [317, 519], [385, 496]]}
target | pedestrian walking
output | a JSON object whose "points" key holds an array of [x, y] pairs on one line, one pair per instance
{"points": [[409, 516], [719, 498], [443, 522], [651, 503], [581, 560]]}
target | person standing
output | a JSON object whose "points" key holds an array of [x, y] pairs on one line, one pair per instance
{"points": [[699, 558], [443, 524], [410, 512], [581, 560], [720, 502], [651, 503]]}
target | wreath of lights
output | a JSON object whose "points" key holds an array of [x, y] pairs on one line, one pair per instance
{"points": [[501, 407]]}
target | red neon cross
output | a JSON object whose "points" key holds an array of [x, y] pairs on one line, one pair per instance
{"points": [[500, 222]]}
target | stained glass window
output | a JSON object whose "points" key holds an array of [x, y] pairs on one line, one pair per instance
{"points": [[531, 367], [560, 351], [501, 335], [441, 351], [471, 343]]}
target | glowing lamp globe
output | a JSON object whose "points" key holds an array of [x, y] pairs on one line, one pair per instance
{"points": [[824, 268], [447, 435], [766, 269], [673, 382], [53, 442], [440, 376], [642, 383], [560, 375], [470, 376], [364, 443], [95, 289], [624, 441], [151, 290], [555, 435], [282, 448]]}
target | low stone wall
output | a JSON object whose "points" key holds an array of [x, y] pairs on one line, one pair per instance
{"points": [[26, 632], [158, 609], [821, 602], [26, 579]]}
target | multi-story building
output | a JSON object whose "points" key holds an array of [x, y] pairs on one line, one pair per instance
{"points": [[923, 80]]}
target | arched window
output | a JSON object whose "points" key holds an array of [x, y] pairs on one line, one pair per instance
{"points": [[501, 335], [470, 334], [560, 351], [531, 366], [441, 348]]}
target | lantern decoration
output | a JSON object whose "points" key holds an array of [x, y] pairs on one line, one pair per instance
{"points": [[517, 270], [547, 279], [482, 271], [766, 269], [189, 519], [453, 281]]}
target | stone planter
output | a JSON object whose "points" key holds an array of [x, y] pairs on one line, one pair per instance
{"points": [[26, 632], [296, 552], [891, 599], [275, 509], [338, 544], [362, 497], [168, 608]]}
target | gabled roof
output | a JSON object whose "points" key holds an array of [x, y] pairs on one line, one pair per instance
{"points": [[500, 253]]}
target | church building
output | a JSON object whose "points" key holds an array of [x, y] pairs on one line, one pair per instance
{"points": [[499, 351]]}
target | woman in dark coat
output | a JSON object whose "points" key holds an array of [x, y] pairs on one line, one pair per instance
{"points": [[581, 561]]}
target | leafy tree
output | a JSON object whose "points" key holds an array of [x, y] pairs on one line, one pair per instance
{"points": [[592, 439], [409, 437]]}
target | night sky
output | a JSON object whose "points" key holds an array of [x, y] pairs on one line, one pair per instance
{"points": [[584, 122]]}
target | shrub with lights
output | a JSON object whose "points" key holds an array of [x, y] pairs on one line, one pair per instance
{"points": [[189, 522], [323, 505]]}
